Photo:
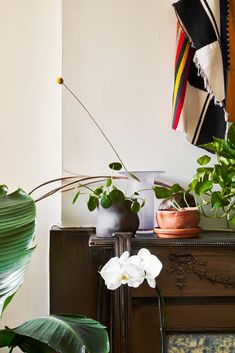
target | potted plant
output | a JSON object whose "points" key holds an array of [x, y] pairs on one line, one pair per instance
{"points": [[213, 189], [177, 216], [116, 210], [214, 184], [65, 333], [115, 201]]}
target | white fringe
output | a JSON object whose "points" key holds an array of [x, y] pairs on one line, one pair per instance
{"points": [[201, 73]]}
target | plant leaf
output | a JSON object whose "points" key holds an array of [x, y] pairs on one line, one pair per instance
{"points": [[203, 160], [117, 195], [115, 166], [203, 186], [223, 148], [231, 134], [211, 146], [135, 207], [17, 226], [176, 188], [109, 182], [161, 192], [58, 333], [106, 201], [98, 191], [216, 200], [3, 190], [143, 203], [232, 220], [6, 338], [92, 203], [76, 196]]}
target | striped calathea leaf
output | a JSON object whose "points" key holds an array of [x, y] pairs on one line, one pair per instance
{"points": [[17, 227]]}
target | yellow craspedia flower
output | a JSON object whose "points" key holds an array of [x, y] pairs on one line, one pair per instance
{"points": [[60, 80]]}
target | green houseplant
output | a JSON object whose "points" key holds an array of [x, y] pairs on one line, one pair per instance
{"points": [[214, 184], [55, 333], [178, 215], [212, 189], [116, 209]]}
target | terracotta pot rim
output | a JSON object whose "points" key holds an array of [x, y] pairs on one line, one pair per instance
{"points": [[184, 209], [178, 233], [177, 230]]}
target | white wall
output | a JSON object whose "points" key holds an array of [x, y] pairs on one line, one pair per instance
{"points": [[30, 117], [118, 56]]}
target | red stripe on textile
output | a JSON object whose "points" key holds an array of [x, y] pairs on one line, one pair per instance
{"points": [[179, 47], [183, 91]]}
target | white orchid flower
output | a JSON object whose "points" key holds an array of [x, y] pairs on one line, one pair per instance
{"points": [[151, 265], [131, 270], [118, 271]]}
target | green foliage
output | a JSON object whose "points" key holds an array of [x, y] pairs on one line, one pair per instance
{"points": [[92, 202], [215, 185], [105, 200], [107, 194], [115, 166], [76, 196], [117, 195], [63, 333], [172, 193], [204, 160], [135, 207], [162, 192], [17, 226], [57, 333]]}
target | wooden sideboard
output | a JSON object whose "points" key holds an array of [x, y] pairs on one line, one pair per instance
{"points": [[197, 282]]}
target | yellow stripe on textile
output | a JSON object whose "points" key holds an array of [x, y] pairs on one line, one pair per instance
{"points": [[180, 71]]}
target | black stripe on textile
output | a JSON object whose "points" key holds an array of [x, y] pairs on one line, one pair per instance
{"points": [[213, 18], [195, 80], [214, 124], [181, 55], [196, 22], [224, 8], [200, 119]]}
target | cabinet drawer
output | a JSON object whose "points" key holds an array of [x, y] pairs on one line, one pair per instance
{"points": [[193, 272]]}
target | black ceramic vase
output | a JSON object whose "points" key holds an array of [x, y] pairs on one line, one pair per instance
{"points": [[117, 218]]}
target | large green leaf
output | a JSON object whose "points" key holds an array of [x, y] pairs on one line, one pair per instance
{"points": [[231, 134], [57, 333], [162, 192], [17, 226]]}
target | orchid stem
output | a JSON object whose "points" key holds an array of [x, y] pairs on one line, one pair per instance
{"points": [[161, 308], [97, 125], [11, 349]]}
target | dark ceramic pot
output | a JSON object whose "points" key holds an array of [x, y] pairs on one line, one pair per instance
{"points": [[117, 218]]}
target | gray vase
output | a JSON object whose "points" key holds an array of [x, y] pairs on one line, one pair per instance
{"points": [[117, 218]]}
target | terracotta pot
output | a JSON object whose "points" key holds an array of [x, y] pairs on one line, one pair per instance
{"points": [[173, 219], [117, 218], [178, 233]]}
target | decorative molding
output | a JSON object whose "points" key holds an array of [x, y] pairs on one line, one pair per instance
{"points": [[185, 265]]}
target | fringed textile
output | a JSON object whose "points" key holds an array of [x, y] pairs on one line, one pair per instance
{"points": [[204, 86]]}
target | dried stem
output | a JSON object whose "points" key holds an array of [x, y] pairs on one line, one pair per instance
{"points": [[97, 125], [161, 308], [96, 179]]}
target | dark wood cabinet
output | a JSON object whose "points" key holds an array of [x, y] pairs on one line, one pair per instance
{"points": [[197, 282]]}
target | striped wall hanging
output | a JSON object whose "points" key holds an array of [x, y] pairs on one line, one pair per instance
{"points": [[204, 86]]}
